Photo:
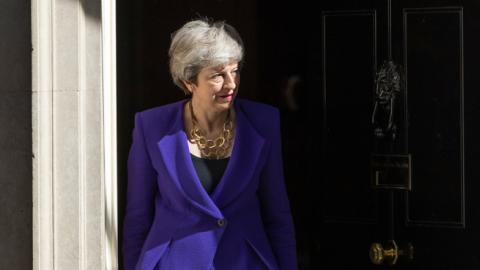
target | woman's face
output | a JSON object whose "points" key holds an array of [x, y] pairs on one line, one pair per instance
{"points": [[216, 87]]}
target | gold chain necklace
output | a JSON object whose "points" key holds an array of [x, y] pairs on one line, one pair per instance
{"points": [[212, 148]]}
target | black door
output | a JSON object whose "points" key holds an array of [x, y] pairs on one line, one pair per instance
{"points": [[411, 176]]}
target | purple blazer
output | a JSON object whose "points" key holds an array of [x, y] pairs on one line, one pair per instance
{"points": [[172, 223]]}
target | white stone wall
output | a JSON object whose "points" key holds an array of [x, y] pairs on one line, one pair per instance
{"points": [[70, 229]]}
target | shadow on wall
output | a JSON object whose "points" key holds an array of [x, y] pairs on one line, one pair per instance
{"points": [[92, 8]]}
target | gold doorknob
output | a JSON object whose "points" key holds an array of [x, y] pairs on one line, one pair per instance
{"points": [[390, 253]]}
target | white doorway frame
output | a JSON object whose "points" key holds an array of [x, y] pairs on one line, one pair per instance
{"points": [[110, 131], [74, 135]]}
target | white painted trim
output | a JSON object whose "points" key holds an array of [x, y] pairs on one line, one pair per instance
{"points": [[82, 131], [110, 131], [42, 136], [66, 101]]}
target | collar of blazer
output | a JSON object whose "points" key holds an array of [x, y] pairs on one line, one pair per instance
{"points": [[241, 168]]}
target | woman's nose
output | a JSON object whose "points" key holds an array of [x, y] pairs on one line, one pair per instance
{"points": [[229, 82]]}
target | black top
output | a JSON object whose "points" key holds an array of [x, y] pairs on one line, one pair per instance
{"points": [[209, 171]]}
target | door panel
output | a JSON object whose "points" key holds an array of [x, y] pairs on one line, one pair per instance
{"points": [[436, 114], [434, 63]]}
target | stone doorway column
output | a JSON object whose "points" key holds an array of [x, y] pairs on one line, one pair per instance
{"points": [[74, 134]]}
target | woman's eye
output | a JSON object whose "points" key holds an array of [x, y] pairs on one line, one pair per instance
{"points": [[217, 77]]}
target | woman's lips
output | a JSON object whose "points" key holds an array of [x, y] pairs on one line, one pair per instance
{"points": [[227, 97]]}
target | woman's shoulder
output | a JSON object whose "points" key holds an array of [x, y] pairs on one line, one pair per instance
{"points": [[170, 108], [161, 117], [263, 117], [257, 108], [162, 112]]}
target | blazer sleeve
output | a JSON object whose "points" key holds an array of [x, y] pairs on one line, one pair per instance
{"points": [[141, 191], [276, 212]]}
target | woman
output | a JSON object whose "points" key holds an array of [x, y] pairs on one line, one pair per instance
{"points": [[205, 176]]}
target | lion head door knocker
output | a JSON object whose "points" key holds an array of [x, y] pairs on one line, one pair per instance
{"points": [[388, 85]]}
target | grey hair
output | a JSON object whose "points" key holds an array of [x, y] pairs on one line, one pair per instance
{"points": [[199, 44]]}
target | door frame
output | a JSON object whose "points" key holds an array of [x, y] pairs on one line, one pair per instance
{"points": [[74, 134], [109, 76]]}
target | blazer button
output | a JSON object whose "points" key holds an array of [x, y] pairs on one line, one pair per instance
{"points": [[221, 222]]}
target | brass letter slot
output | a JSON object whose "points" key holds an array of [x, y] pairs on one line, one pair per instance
{"points": [[391, 171]]}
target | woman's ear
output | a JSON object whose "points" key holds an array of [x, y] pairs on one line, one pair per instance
{"points": [[189, 86]]}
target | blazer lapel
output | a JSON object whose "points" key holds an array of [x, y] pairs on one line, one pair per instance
{"points": [[243, 162], [176, 158], [247, 149]]}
